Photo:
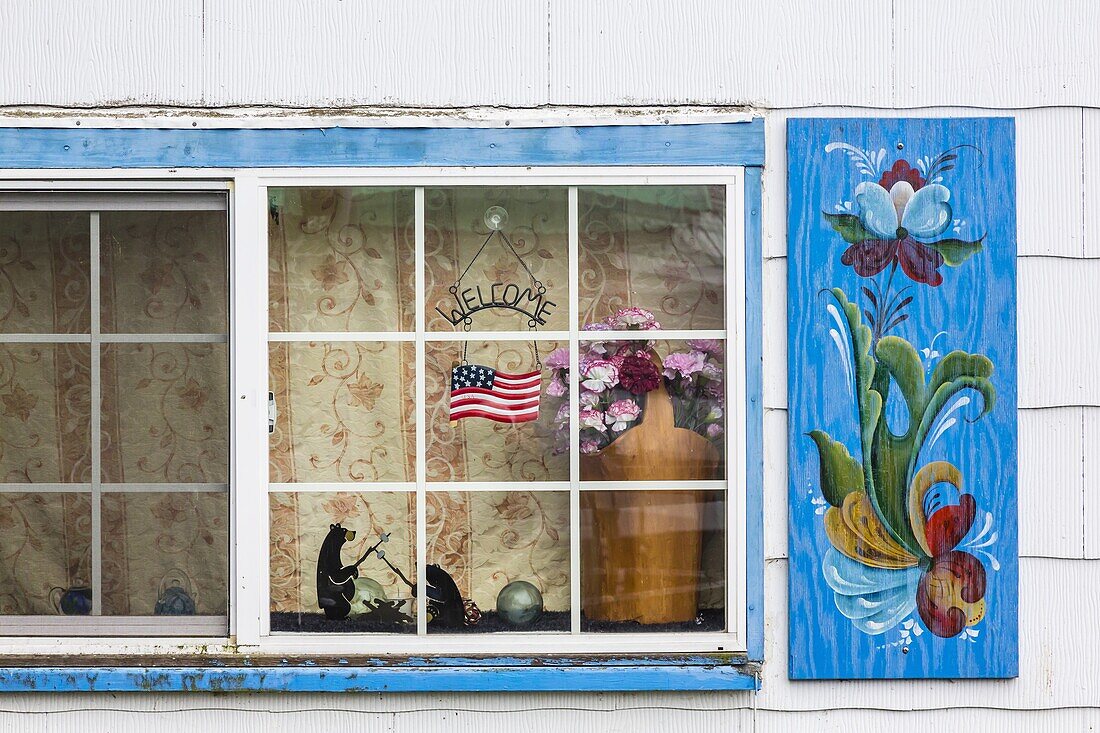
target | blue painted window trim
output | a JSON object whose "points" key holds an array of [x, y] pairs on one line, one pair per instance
{"points": [[727, 144]]}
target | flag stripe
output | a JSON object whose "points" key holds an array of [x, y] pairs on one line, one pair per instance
{"points": [[513, 396], [510, 418], [466, 401]]}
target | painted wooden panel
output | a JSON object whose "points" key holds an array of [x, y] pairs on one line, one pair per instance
{"points": [[776, 53], [1057, 670], [328, 53], [902, 391], [101, 53], [1015, 54]]}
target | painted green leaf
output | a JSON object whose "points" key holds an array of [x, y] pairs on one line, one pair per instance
{"points": [[840, 473], [849, 227], [955, 251]]}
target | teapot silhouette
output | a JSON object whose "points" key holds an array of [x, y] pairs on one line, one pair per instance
{"points": [[72, 601], [174, 597]]}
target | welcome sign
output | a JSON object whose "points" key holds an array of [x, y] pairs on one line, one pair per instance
{"points": [[902, 394]]}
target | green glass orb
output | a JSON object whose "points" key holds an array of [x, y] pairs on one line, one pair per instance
{"points": [[519, 603]]}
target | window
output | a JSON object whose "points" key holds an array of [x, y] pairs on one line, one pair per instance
{"points": [[541, 535], [467, 411], [114, 439]]}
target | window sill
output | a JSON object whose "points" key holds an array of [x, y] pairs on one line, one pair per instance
{"points": [[450, 674]]}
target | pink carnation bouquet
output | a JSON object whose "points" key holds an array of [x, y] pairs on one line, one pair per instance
{"points": [[615, 377]]}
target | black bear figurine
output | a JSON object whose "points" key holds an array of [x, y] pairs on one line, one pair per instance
{"points": [[335, 581], [443, 596]]}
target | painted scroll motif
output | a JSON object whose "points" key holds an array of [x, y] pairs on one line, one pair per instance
{"points": [[902, 399]]}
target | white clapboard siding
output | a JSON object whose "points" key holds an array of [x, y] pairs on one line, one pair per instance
{"points": [[1059, 658], [994, 53], [976, 720], [1059, 341], [1090, 442], [777, 53], [347, 713], [77, 54], [329, 53], [775, 483], [1052, 484], [1090, 181]]}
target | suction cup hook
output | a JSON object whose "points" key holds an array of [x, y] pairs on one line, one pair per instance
{"points": [[496, 217]]}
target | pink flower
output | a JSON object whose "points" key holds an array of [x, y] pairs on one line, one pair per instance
{"points": [[589, 446], [598, 326], [707, 346], [711, 370], [622, 412], [562, 418], [714, 430], [634, 318], [683, 365], [600, 375], [592, 419], [556, 388], [558, 359], [589, 398]]}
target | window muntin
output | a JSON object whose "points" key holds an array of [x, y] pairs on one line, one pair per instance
{"points": [[118, 327], [720, 290]]}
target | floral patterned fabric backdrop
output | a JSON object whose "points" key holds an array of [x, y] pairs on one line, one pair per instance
{"points": [[164, 407], [343, 259]]}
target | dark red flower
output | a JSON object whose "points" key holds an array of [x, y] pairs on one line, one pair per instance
{"points": [[902, 171], [953, 587], [638, 375], [918, 261]]}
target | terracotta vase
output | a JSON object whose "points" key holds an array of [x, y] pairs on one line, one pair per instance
{"points": [[642, 550]]}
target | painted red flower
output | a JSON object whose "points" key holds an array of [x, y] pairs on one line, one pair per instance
{"points": [[918, 261], [902, 171]]}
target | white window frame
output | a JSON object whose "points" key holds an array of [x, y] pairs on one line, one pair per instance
{"points": [[249, 611]]}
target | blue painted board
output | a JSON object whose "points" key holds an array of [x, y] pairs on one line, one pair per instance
{"points": [[902, 398], [376, 679], [740, 143]]}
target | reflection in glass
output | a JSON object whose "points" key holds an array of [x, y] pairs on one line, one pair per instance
{"points": [[165, 553], [502, 561], [660, 248], [45, 541], [346, 411], [164, 272], [341, 259], [343, 562], [652, 561], [478, 449], [45, 413], [165, 417], [44, 272], [458, 247]]}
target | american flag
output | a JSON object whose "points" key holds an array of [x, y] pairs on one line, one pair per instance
{"points": [[478, 391]]}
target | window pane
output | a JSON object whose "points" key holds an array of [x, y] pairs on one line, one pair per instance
{"points": [[345, 412], [45, 543], [165, 417], [523, 263], [45, 413], [477, 448], [341, 259], [652, 561], [309, 554], [164, 271], [502, 561], [44, 271], [652, 410], [660, 248], [165, 553]]}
